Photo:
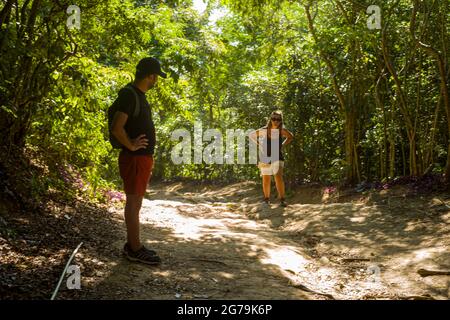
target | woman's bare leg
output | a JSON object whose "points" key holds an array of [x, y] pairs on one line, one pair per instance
{"points": [[266, 186], [279, 183]]}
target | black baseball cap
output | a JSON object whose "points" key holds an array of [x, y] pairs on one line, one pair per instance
{"points": [[151, 66]]}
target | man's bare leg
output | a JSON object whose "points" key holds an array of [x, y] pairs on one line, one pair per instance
{"points": [[132, 208]]}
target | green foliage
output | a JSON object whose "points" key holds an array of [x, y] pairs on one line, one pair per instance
{"points": [[56, 84]]}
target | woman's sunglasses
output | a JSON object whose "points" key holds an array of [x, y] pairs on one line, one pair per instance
{"points": [[276, 119]]}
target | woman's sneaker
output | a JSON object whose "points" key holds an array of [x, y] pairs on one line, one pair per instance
{"points": [[267, 201], [143, 255], [283, 203]]}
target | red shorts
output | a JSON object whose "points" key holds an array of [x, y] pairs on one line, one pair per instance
{"points": [[135, 172]]}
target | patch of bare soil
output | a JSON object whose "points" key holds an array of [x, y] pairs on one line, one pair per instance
{"points": [[40, 226], [35, 246], [221, 242]]}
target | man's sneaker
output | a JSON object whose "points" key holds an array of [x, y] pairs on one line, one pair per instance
{"points": [[152, 252], [142, 255], [127, 247]]}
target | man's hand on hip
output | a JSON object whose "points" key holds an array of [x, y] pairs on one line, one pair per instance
{"points": [[140, 142]]}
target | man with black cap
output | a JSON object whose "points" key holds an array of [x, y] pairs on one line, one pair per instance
{"points": [[133, 128]]}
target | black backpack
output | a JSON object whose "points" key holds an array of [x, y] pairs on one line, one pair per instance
{"points": [[112, 111]]}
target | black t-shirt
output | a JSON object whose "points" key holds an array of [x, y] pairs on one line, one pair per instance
{"points": [[142, 124]]}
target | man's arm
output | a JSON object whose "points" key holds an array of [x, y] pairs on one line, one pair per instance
{"points": [[118, 130]]}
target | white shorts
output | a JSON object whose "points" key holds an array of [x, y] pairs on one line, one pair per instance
{"points": [[270, 169]]}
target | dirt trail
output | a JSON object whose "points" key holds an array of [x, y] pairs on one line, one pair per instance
{"points": [[222, 243]]}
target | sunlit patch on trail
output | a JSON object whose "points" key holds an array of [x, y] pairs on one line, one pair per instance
{"points": [[191, 222], [286, 259]]}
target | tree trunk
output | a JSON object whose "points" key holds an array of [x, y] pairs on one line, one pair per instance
{"points": [[384, 149], [403, 106], [434, 53], [348, 115]]}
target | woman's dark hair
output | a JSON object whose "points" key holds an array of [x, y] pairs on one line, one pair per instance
{"points": [[269, 123]]}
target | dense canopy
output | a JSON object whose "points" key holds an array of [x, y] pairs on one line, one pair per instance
{"points": [[366, 96]]}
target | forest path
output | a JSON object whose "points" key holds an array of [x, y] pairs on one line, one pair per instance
{"points": [[222, 243]]}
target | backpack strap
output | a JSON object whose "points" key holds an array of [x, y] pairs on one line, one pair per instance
{"points": [[137, 108]]}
